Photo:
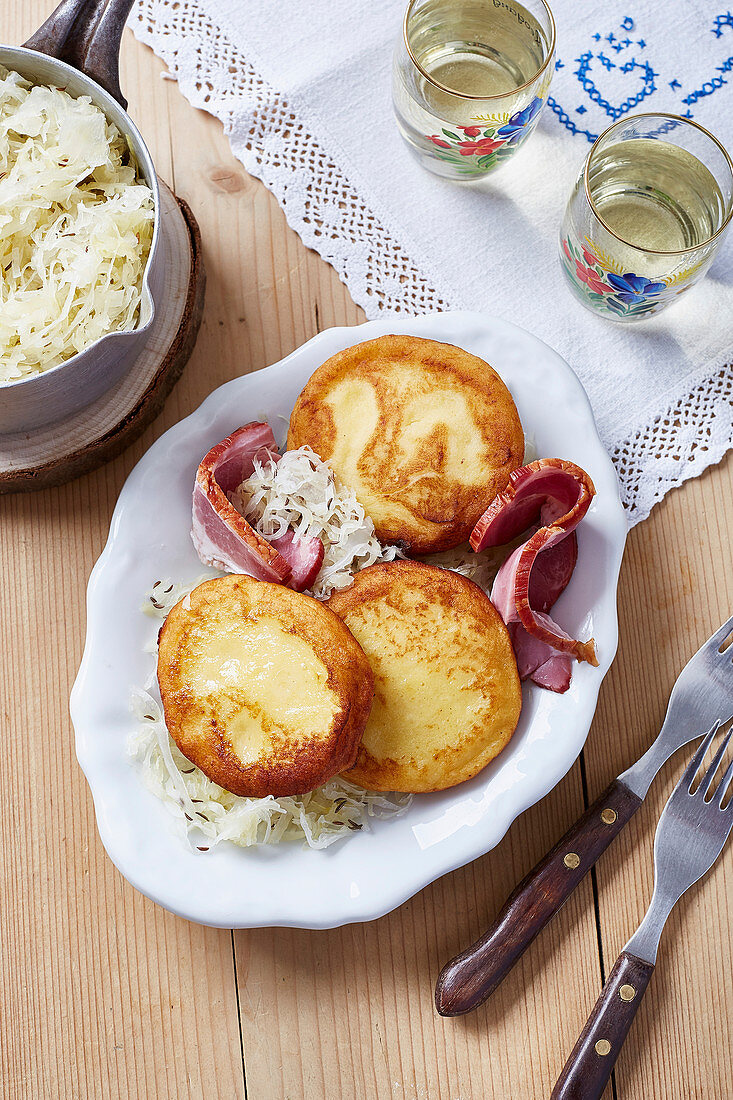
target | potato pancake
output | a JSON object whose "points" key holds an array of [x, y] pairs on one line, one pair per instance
{"points": [[424, 433], [447, 695], [263, 688]]}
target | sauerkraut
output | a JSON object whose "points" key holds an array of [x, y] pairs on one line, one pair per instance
{"points": [[479, 568], [76, 226], [298, 492], [207, 814], [301, 493]]}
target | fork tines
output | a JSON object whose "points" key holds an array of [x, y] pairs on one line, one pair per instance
{"points": [[693, 767]]}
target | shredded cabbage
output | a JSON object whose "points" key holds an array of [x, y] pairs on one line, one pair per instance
{"points": [[164, 595], [211, 814], [75, 227], [479, 568], [300, 492], [208, 813]]}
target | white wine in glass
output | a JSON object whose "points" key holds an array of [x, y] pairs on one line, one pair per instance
{"points": [[646, 216], [656, 194], [470, 80]]}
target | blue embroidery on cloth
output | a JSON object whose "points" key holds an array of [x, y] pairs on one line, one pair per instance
{"points": [[583, 73], [710, 86], [567, 122], [720, 22], [641, 69]]}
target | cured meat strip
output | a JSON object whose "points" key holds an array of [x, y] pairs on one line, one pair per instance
{"points": [[222, 537], [510, 595], [550, 491], [552, 572], [539, 662], [556, 494], [304, 556]]}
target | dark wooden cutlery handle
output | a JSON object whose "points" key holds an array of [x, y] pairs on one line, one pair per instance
{"points": [[589, 1066], [468, 979]]}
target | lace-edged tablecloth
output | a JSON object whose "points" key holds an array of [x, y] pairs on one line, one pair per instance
{"points": [[303, 92]]}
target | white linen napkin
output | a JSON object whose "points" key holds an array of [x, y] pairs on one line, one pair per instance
{"points": [[303, 90]]}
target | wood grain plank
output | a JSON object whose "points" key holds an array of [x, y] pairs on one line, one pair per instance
{"points": [[350, 1013], [676, 588], [323, 1014], [101, 992]]}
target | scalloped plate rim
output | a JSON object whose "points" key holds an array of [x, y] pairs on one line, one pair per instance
{"points": [[444, 856]]}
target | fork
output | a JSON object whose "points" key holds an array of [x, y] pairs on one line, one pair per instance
{"points": [[701, 695], [690, 836]]}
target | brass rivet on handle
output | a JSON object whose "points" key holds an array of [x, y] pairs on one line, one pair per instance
{"points": [[572, 860], [627, 992], [608, 816], [603, 1047]]}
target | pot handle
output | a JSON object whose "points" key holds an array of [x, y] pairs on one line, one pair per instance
{"points": [[87, 35]]}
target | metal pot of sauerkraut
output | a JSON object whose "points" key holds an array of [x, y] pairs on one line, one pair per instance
{"points": [[79, 218]]}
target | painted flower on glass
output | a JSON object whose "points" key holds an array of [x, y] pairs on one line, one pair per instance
{"points": [[512, 129], [623, 295], [476, 150], [591, 279], [632, 288], [480, 148]]}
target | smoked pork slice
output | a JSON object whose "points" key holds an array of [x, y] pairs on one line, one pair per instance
{"points": [[304, 556], [557, 494], [550, 491], [222, 537], [552, 572], [549, 577], [510, 594], [539, 662]]}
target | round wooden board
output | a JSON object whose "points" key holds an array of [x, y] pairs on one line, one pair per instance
{"points": [[59, 452]]}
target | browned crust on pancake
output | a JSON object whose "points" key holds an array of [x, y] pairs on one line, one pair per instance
{"points": [[466, 750], [199, 730], [442, 510]]}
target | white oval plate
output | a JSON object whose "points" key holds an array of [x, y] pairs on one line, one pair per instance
{"points": [[370, 873]]}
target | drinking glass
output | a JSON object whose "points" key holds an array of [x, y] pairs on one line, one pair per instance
{"points": [[646, 216], [470, 79]]}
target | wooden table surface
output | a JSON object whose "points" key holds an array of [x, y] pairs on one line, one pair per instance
{"points": [[102, 994]]}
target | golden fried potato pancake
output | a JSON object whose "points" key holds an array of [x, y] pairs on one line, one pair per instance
{"points": [[424, 433], [447, 695], [263, 688]]}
